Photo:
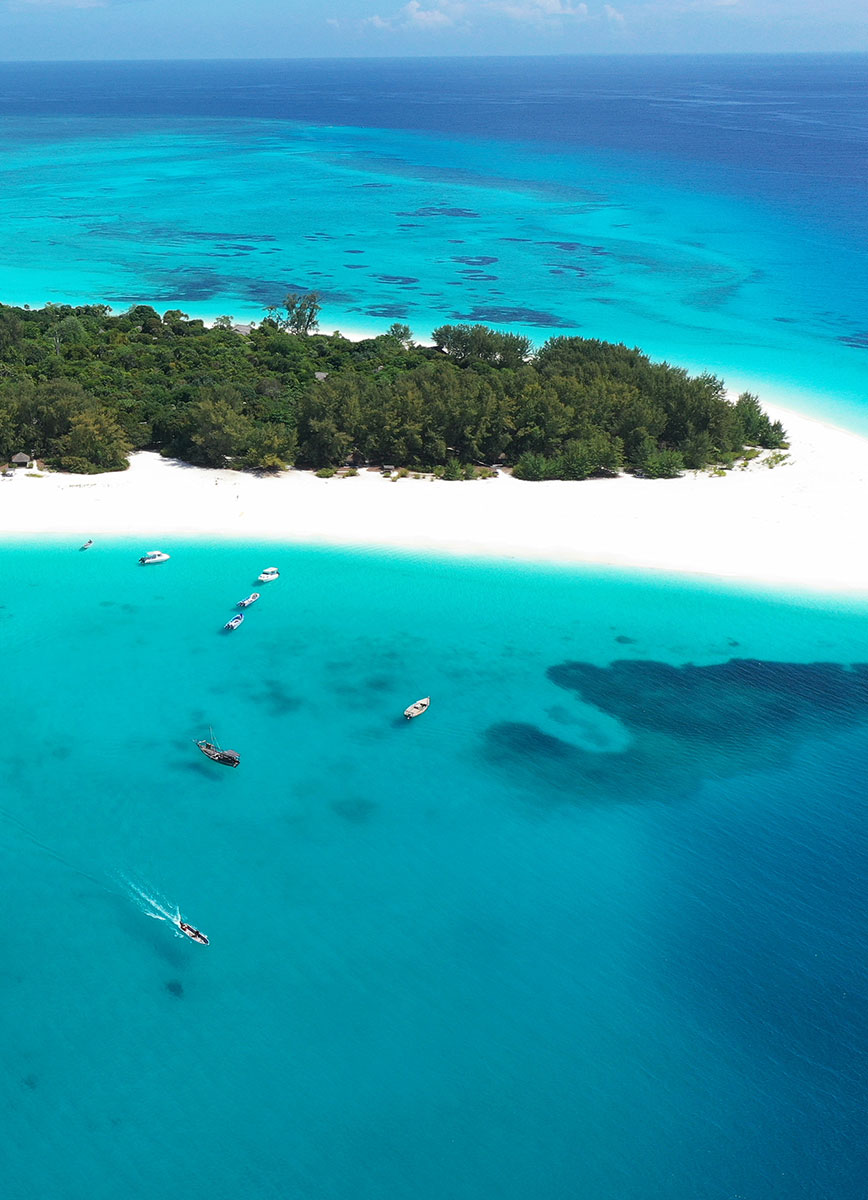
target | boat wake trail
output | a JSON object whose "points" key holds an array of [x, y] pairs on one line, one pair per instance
{"points": [[27, 835], [140, 893], [149, 901]]}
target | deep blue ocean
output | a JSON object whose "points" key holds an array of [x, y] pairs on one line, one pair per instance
{"points": [[595, 925]]}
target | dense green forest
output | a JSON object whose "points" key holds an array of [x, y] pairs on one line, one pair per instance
{"points": [[81, 388]]}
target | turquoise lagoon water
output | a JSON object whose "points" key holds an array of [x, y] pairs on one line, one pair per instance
{"points": [[709, 210], [593, 926]]}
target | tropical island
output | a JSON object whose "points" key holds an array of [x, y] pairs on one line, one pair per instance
{"points": [[204, 417], [82, 388]]}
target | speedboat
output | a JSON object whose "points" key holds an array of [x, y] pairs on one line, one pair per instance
{"points": [[227, 758], [235, 622], [153, 556], [195, 935], [87, 545], [416, 710], [268, 574], [251, 599]]}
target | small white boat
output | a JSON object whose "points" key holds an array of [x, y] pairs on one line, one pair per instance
{"points": [[235, 622], [153, 556], [268, 574], [251, 599], [416, 710], [195, 935]]}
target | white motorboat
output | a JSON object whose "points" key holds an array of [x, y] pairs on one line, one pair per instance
{"points": [[195, 935], [248, 600], [153, 556], [268, 574], [416, 710], [235, 622]]}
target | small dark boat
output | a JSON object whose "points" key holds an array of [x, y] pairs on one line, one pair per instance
{"points": [[87, 545], [195, 935], [235, 622], [227, 758]]}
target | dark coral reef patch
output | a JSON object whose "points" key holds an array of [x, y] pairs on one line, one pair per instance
{"points": [[744, 698], [686, 724]]}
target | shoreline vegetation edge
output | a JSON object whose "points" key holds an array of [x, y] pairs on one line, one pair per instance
{"points": [[785, 527], [788, 527]]}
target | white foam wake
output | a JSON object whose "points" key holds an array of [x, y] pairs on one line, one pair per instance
{"points": [[149, 901]]}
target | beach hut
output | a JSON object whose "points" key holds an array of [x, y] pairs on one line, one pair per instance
{"points": [[21, 460]]}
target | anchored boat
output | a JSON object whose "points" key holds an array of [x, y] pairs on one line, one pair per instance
{"points": [[153, 556], [235, 622], [269, 574], [248, 600], [416, 710], [227, 758]]}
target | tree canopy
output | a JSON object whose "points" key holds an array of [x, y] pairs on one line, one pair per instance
{"points": [[81, 388]]}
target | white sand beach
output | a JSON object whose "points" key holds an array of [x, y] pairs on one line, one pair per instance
{"points": [[793, 525]]}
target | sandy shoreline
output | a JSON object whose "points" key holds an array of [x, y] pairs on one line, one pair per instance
{"points": [[791, 525]]}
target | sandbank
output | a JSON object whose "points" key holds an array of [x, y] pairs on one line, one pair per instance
{"points": [[791, 525]]}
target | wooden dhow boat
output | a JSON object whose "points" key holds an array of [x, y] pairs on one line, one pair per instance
{"points": [[227, 758]]}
